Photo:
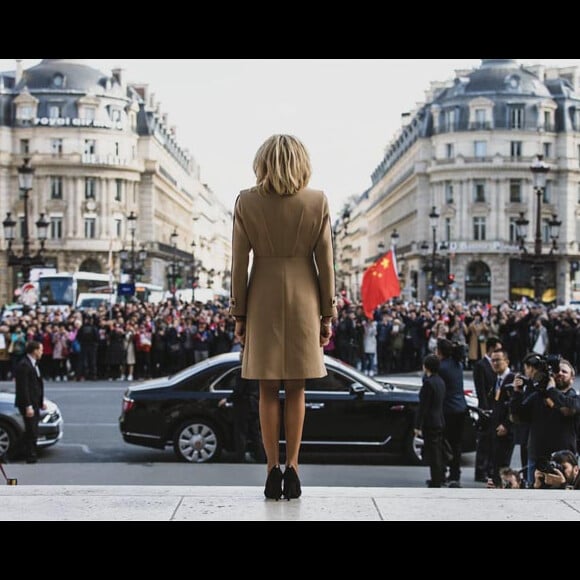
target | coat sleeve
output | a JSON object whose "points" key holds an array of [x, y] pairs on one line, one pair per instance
{"points": [[324, 255], [24, 396], [425, 398], [241, 248]]}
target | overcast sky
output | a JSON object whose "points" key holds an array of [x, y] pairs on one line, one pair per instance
{"points": [[345, 110]]}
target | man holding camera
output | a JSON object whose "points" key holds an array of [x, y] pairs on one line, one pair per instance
{"points": [[562, 472], [549, 405]]}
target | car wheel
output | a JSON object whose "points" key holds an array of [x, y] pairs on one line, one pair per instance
{"points": [[197, 441], [413, 451], [7, 441]]}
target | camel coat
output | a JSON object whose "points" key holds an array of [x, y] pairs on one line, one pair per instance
{"points": [[291, 284]]}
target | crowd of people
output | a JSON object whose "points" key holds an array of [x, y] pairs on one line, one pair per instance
{"points": [[138, 341], [524, 402]]}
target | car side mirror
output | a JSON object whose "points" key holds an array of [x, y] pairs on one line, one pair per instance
{"points": [[358, 390]]}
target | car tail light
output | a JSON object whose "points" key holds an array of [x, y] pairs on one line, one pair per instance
{"points": [[398, 408], [128, 404], [469, 392]]}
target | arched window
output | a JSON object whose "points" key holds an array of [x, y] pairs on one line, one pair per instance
{"points": [[91, 265], [478, 282]]}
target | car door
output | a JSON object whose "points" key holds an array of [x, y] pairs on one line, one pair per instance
{"points": [[336, 415]]}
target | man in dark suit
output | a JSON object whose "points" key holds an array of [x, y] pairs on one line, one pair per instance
{"points": [[502, 432], [484, 379], [430, 420], [30, 396]]}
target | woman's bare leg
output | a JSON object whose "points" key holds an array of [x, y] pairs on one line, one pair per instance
{"points": [[294, 413], [270, 421]]}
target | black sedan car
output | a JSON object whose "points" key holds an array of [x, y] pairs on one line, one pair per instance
{"points": [[345, 411], [50, 427]]}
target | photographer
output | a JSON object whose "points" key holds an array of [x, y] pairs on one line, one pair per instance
{"points": [[562, 472], [549, 405]]}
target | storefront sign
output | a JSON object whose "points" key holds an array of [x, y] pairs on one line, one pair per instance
{"points": [[86, 123]]}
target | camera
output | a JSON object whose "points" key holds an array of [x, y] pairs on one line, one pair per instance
{"points": [[553, 363], [550, 468]]}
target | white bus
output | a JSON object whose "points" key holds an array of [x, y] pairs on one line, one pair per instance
{"points": [[148, 293], [62, 290]]}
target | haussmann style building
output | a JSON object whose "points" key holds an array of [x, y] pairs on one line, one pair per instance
{"points": [[457, 188], [102, 150]]}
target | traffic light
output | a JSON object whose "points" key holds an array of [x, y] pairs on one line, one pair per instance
{"points": [[450, 279]]}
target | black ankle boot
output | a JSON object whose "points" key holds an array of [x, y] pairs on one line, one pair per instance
{"points": [[292, 487], [273, 488]]}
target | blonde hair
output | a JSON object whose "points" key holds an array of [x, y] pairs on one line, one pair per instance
{"points": [[282, 165]]}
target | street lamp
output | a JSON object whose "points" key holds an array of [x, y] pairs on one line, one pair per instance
{"points": [[433, 220], [540, 172], [133, 262], [26, 260], [173, 270]]}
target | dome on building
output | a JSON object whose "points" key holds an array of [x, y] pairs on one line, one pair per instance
{"points": [[498, 76], [64, 74]]}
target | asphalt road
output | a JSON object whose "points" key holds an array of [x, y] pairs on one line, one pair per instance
{"points": [[92, 452]]}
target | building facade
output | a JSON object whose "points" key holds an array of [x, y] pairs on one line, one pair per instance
{"points": [[102, 148], [467, 152]]}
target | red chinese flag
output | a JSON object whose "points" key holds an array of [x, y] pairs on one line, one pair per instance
{"points": [[380, 284]]}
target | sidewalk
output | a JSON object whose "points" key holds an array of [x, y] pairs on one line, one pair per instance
{"points": [[217, 504]]}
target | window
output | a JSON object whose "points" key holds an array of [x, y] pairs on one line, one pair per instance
{"points": [[56, 228], [119, 190], [25, 113], [517, 117], [56, 146], [448, 230], [56, 187], [516, 149], [479, 234], [90, 188], [117, 148], [134, 152], [448, 192], [90, 147], [548, 192], [54, 111], [513, 230], [548, 121], [546, 231], [90, 114], [515, 191], [480, 149], [479, 191], [547, 150], [115, 115], [449, 117], [24, 146], [90, 228], [119, 228], [333, 383], [21, 227], [481, 121]]}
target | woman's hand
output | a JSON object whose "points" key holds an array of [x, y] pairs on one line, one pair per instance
{"points": [[325, 332], [240, 331]]}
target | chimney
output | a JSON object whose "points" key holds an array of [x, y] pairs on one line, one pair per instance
{"points": [[19, 70], [118, 75]]}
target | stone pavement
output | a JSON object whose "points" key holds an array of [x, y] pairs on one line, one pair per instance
{"points": [[221, 504]]}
